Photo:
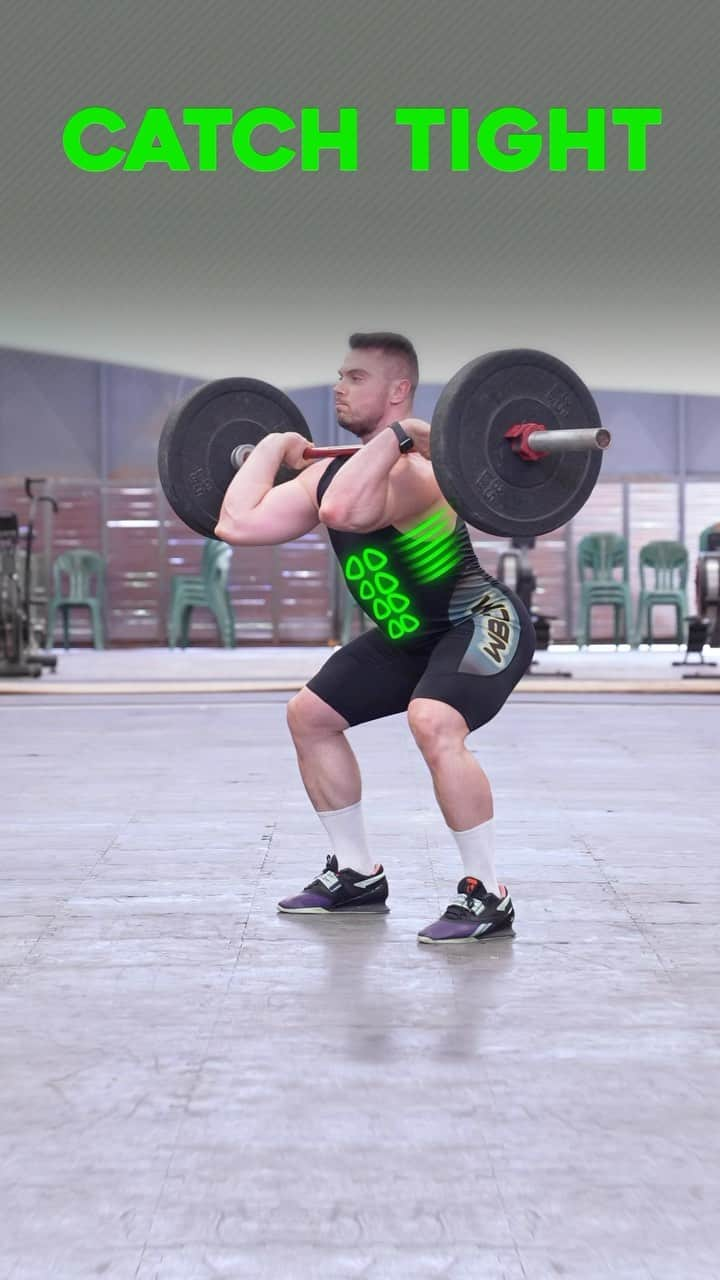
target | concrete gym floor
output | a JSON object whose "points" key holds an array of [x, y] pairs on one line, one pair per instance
{"points": [[193, 1086]]}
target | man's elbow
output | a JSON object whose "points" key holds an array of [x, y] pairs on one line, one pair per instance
{"points": [[329, 514], [229, 532], [337, 517]]}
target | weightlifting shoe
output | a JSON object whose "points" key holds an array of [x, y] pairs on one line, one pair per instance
{"points": [[473, 916], [340, 891]]}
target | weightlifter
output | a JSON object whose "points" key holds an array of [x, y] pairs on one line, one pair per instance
{"points": [[449, 643]]}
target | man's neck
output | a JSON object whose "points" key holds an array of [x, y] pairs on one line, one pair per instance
{"points": [[403, 411]]}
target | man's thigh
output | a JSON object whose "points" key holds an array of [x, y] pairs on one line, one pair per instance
{"points": [[368, 678], [472, 687]]}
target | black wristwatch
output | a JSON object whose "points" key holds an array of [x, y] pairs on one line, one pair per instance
{"points": [[405, 441]]}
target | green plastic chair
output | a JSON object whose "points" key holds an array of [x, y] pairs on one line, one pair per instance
{"points": [[78, 583], [599, 556], [704, 544], [208, 590], [663, 580]]}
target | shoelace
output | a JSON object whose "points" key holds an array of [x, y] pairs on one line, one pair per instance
{"points": [[320, 879], [459, 908]]}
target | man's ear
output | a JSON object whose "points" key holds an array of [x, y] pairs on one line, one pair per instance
{"points": [[400, 391]]}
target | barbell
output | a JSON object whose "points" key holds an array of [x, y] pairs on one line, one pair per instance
{"points": [[516, 443]]}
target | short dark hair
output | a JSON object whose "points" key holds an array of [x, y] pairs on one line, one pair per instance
{"points": [[393, 344]]}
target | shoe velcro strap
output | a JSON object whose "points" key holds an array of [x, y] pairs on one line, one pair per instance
{"points": [[476, 905]]}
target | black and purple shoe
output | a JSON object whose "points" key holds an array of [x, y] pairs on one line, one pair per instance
{"points": [[342, 891], [473, 916]]}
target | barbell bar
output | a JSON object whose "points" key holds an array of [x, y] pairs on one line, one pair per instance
{"points": [[541, 442], [516, 443]]}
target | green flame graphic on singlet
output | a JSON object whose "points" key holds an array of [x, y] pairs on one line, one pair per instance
{"points": [[430, 552], [380, 590]]}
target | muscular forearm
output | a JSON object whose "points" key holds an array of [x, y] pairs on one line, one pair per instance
{"points": [[254, 479], [359, 491]]}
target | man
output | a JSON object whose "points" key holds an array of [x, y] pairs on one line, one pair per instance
{"points": [[449, 646]]}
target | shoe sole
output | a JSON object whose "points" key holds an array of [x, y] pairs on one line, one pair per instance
{"points": [[372, 909], [483, 937]]}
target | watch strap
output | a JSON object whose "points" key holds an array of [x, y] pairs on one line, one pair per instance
{"points": [[404, 440]]}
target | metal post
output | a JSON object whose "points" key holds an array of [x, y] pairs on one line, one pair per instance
{"points": [[569, 601], [103, 416], [681, 465], [163, 593]]}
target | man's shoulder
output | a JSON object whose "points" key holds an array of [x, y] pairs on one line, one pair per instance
{"points": [[415, 472]]}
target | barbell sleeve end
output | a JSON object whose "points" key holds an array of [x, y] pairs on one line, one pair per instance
{"points": [[240, 454], [571, 440]]}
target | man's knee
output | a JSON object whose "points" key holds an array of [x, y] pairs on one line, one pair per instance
{"points": [[309, 716], [436, 727]]}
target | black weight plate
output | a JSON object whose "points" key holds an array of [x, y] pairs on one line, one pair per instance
{"points": [[200, 434], [490, 486]]}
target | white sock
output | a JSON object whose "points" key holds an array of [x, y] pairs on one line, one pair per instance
{"points": [[477, 850], [346, 829]]}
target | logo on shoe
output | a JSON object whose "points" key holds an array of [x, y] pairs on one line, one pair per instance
{"points": [[365, 884]]}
